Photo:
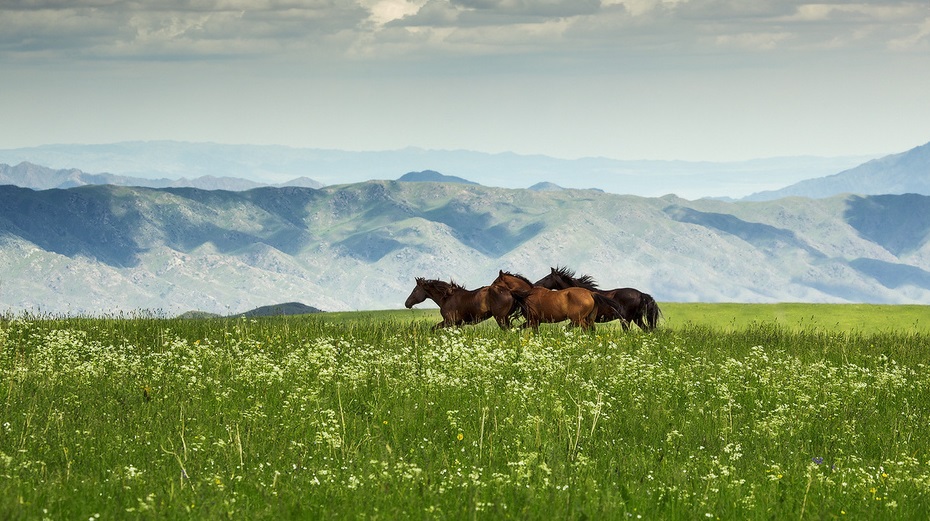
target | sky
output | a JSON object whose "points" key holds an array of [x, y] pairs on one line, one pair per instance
{"points": [[695, 80]]}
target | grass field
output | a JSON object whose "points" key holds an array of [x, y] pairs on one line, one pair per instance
{"points": [[787, 411]]}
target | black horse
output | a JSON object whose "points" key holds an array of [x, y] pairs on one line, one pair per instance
{"points": [[636, 306], [458, 305]]}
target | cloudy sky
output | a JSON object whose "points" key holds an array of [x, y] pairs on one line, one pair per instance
{"points": [[718, 80]]}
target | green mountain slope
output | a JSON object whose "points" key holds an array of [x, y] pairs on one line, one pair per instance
{"points": [[99, 249]]}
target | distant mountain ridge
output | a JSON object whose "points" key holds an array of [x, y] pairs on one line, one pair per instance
{"points": [[104, 248], [29, 175], [278, 165], [433, 176], [907, 172]]}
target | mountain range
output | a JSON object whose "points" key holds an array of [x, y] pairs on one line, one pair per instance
{"points": [[39, 177], [907, 172], [231, 167], [100, 249], [160, 162]]}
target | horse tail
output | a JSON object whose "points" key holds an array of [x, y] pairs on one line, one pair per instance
{"points": [[519, 306], [651, 311]]}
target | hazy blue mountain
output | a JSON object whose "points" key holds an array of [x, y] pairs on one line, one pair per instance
{"points": [[908, 172], [545, 186], [38, 177], [105, 248], [276, 165], [432, 176], [304, 182]]}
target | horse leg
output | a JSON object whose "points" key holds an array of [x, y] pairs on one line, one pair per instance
{"points": [[449, 319], [531, 324], [503, 321], [624, 323]]}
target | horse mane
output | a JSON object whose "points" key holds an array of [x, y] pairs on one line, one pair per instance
{"points": [[584, 281], [517, 275], [440, 284]]}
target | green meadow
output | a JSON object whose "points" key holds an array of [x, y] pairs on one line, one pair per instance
{"points": [[727, 411]]}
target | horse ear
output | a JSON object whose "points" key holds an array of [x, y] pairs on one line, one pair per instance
{"points": [[501, 274], [552, 269]]}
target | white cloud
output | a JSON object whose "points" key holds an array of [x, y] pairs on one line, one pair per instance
{"points": [[385, 11]]}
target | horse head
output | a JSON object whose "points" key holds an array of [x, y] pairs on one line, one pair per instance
{"points": [[553, 280], [417, 295]]}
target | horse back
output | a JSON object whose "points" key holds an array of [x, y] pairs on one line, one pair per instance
{"points": [[568, 301]]}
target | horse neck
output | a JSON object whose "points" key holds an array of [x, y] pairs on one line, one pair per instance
{"points": [[515, 283], [437, 294]]}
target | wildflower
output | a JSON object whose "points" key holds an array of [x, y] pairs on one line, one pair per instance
{"points": [[460, 437], [817, 459]]}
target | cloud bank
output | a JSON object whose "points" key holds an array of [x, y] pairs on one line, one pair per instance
{"points": [[375, 29]]}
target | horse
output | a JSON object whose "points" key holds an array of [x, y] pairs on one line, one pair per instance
{"points": [[636, 306], [512, 281], [538, 304], [458, 305]]}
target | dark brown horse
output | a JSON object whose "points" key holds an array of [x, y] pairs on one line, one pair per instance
{"points": [[458, 305], [636, 306], [538, 304]]}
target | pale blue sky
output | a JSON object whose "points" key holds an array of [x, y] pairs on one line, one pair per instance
{"points": [[718, 80]]}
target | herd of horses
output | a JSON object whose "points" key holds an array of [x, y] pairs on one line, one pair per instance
{"points": [[557, 297]]}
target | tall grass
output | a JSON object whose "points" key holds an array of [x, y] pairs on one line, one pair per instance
{"points": [[376, 416]]}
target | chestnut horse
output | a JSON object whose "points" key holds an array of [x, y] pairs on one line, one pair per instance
{"points": [[458, 305], [636, 306], [538, 304]]}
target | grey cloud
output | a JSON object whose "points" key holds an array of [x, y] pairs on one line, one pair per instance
{"points": [[477, 13], [536, 8], [331, 29], [181, 28]]}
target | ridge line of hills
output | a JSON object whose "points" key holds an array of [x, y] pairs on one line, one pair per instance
{"points": [[99, 248], [242, 167]]}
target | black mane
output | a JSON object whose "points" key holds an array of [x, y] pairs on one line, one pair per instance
{"points": [[584, 281], [441, 284]]}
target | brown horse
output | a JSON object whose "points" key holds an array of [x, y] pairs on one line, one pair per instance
{"points": [[512, 281], [538, 304], [635, 306], [458, 305]]}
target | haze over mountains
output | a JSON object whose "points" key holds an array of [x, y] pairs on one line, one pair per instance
{"points": [[907, 172], [275, 165], [103, 248]]}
